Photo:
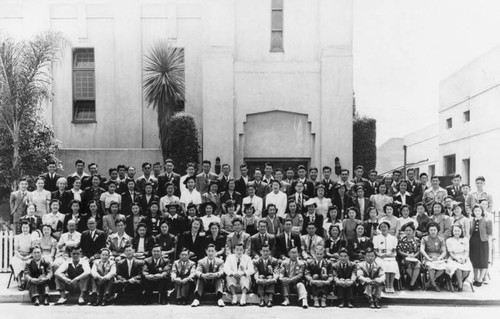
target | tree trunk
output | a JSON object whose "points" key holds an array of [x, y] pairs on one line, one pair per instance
{"points": [[16, 167]]}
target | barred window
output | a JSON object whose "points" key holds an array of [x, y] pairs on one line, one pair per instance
{"points": [[84, 85], [276, 25]]}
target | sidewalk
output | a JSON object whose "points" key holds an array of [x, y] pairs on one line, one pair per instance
{"points": [[486, 295]]}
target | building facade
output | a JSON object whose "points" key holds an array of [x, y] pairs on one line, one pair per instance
{"points": [[267, 80]]}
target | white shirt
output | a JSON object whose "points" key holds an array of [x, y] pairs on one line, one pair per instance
{"points": [[188, 197], [77, 195], [69, 240], [165, 200], [107, 198], [256, 202], [280, 200], [323, 205], [64, 267], [207, 220], [140, 246], [182, 186]]}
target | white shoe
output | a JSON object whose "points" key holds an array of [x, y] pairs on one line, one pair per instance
{"points": [[61, 301], [243, 300], [195, 303], [286, 302], [220, 303], [304, 303]]}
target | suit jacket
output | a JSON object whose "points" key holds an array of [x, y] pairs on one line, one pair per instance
{"points": [[232, 240], [355, 246], [337, 201], [301, 207], [371, 189], [129, 224], [414, 188], [92, 246], [197, 246], [246, 265], [308, 188], [318, 221], [149, 242], [202, 182], [358, 182], [127, 201], [92, 194], [272, 268], [65, 198], [281, 246], [455, 193], [106, 270], [323, 269], [344, 271], [117, 246], [81, 222], [363, 214], [256, 243], [485, 228], [236, 197], [329, 187], [87, 181], [365, 273], [31, 269], [260, 188], [144, 203], [135, 271], [178, 225], [18, 203], [152, 267], [294, 272], [410, 201], [309, 249], [50, 183], [241, 186], [204, 267], [163, 179], [189, 270]]}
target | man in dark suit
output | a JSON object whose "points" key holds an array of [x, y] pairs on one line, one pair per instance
{"points": [[209, 276], [403, 197], [88, 180], [372, 184], [341, 200], [313, 217], [313, 178], [93, 192], [156, 271], [258, 184], [92, 241], [299, 197], [51, 177], [286, 240], [204, 178], [361, 203], [128, 278], [169, 177], [129, 197], [260, 239], [421, 187], [242, 182], [344, 277], [455, 189], [413, 184], [358, 180], [38, 273], [64, 196], [18, 204], [266, 275], [328, 182], [178, 224], [319, 275], [308, 185]]}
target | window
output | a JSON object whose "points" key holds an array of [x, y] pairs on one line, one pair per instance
{"points": [[467, 116], [83, 85], [449, 164], [449, 123], [276, 25], [179, 107], [466, 171], [432, 170]]}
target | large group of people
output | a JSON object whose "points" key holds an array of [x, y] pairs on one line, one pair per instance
{"points": [[121, 239]]}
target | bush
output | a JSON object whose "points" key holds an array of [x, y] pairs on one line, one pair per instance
{"points": [[364, 142], [183, 141]]}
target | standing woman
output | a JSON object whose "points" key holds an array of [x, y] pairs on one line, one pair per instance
{"points": [[409, 249], [194, 240], [460, 220], [76, 190], [321, 201], [40, 197], [380, 200], [385, 246], [231, 194], [433, 249], [481, 231], [153, 219], [23, 244], [458, 262], [226, 219], [293, 213], [110, 196], [190, 195], [350, 223]]}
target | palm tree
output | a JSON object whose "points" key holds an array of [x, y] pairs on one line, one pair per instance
{"points": [[164, 85], [25, 80]]}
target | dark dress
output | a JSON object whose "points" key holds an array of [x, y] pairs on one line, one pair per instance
{"points": [[479, 250], [334, 247], [356, 248]]}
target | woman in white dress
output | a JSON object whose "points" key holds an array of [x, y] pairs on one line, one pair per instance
{"points": [[322, 203], [385, 246], [76, 190], [40, 197], [190, 195], [23, 244], [458, 262], [380, 200]]}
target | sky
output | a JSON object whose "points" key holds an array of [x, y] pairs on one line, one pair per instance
{"points": [[402, 50]]}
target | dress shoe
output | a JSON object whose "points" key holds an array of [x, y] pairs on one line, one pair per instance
{"points": [[262, 303], [372, 305], [81, 301], [286, 302], [195, 303], [61, 301], [316, 303], [269, 304], [323, 302], [349, 305], [377, 305], [243, 300], [220, 303], [304, 303], [37, 302], [341, 305], [46, 302]]}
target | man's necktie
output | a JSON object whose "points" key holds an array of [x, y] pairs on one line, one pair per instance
{"points": [[238, 263], [310, 244], [210, 267], [288, 243]]}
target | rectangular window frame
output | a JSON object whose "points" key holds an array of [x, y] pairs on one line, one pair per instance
{"points": [[466, 116], [81, 101], [449, 123], [447, 163], [274, 9]]}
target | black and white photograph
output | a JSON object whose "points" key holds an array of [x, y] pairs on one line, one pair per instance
{"points": [[249, 158]]}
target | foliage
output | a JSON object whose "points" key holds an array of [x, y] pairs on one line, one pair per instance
{"points": [[183, 136], [25, 82], [364, 142], [164, 86]]}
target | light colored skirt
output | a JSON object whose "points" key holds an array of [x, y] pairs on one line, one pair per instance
{"points": [[389, 265], [18, 265], [436, 265], [452, 266]]}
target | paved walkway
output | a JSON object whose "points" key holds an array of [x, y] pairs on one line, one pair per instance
{"points": [[486, 295]]}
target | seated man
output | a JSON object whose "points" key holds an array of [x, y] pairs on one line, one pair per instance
{"points": [[310, 241], [92, 241], [67, 241], [266, 275], [182, 275], [38, 273], [372, 277], [128, 277], [238, 269], [344, 276], [291, 274], [319, 276], [156, 272], [73, 275], [117, 242], [238, 236], [103, 274], [209, 275]]}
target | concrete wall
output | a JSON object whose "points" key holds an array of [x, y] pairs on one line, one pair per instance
{"points": [[230, 72], [389, 155], [422, 146]]}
